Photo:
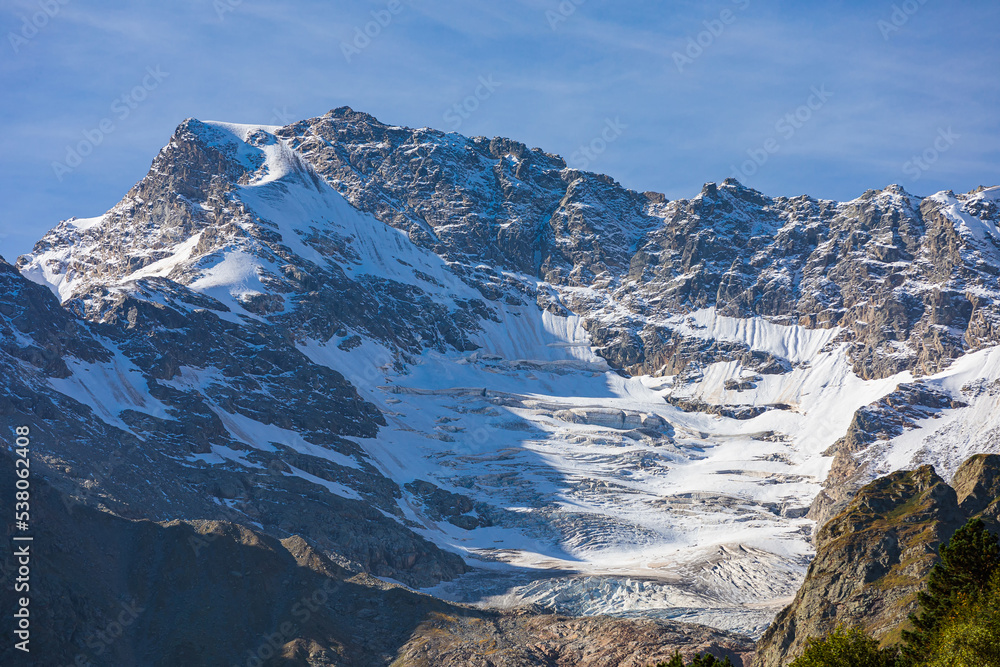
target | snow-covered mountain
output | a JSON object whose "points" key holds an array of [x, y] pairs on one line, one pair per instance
{"points": [[459, 364]]}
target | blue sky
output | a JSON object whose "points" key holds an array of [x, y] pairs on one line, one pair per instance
{"points": [[827, 99]]}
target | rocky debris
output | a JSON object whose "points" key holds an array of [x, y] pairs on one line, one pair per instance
{"points": [[742, 384], [873, 557], [683, 503], [526, 640], [659, 349], [608, 418], [981, 387], [886, 418], [771, 436]]}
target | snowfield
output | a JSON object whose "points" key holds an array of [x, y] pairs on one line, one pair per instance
{"points": [[690, 517]]}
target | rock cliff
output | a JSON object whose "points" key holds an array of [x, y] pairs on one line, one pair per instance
{"points": [[873, 558]]}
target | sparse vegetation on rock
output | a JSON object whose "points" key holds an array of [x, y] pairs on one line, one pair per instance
{"points": [[876, 559]]}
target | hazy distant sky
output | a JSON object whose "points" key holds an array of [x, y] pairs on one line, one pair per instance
{"points": [[696, 88]]}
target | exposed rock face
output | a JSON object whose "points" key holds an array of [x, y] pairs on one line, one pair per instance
{"points": [[140, 464], [912, 281], [977, 485], [527, 640], [36, 331], [455, 508], [107, 590], [890, 416], [873, 557]]}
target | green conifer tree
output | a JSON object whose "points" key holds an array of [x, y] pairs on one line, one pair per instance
{"points": [[707, 660], [676, 661], [968, 560], [701, 660], [845, 648]]}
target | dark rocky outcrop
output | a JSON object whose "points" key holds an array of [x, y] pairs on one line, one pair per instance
{"points": [[452, 507], [977, 485]]}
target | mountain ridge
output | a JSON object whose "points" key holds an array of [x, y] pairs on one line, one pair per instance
{"points": [[456, 363]]}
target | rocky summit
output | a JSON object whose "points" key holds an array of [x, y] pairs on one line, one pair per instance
{"points": [[459, 366]]}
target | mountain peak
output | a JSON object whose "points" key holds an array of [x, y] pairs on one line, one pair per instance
{"points": [[349, 114]]}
